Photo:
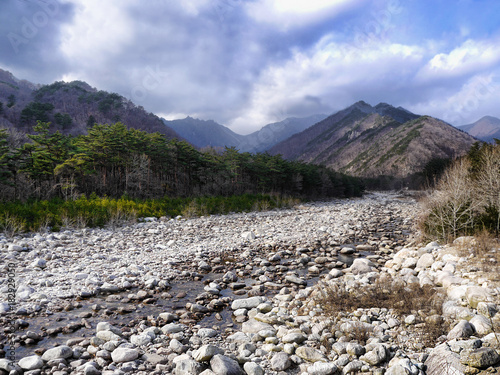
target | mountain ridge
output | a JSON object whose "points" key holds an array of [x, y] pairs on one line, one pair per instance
{"points": [[367, 141], [487, 128]]}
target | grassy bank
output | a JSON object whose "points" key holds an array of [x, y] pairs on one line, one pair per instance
{"points": [[44, 215]]}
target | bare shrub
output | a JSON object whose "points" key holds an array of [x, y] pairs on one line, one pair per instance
{"points": [[11, 225], [451, 210], [120, 217]]}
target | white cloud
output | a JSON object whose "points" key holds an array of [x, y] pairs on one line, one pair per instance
{"points": [[470, 57], [336, 74], [286, 14], [476, 98]]}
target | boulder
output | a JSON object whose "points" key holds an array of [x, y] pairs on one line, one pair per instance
{"points": [[479, 358], [222, 365], [310, 354], [32, 362], [124, 355], [58, 352], [280, 362]]}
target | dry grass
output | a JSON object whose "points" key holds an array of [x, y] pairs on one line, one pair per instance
{"points": [[403, 299]]}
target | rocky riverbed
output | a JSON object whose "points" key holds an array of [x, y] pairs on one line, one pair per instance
{"points": [[238, 294]]}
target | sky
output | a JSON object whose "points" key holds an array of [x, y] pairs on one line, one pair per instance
{"points": [[247, 63]]}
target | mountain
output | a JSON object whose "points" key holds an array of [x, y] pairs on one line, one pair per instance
{"points": [[203, 133], [486, 129], [276, 132], [372, 141], [70, 107]]}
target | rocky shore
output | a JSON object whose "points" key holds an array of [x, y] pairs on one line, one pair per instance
{"points": [[242, 294]]}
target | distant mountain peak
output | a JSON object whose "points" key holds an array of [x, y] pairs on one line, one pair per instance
{"points": [[487, 128]]}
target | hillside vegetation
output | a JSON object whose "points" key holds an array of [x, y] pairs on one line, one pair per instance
{"points": [[71, 107]]}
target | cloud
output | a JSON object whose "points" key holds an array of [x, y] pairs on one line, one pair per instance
{"points": [[469, 57], [297, 13], [336, 74], [31, 34]]}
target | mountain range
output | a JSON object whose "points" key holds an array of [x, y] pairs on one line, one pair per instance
{"points": [[361, 140], [368, 141], [203, 133], [486, 129]]}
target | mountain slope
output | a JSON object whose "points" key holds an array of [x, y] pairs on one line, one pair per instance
{"points": [[276, 132], [371, 141], [203, 133], [70, 107], [486, 129]]}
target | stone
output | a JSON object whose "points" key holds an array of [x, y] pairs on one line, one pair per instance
{"points": [[310, 354], [254, 326], [121, 354], [295, 280], [32, 362], [184, 365], [294, 337], [482, 325], [168, 317], [425, 261], [39, 262], [207, 332], [376, 356], [4, 308], [463, 329], [361, 266], [252, 368], [247, 303], [355, 349], [62, 351], [352, 367], [172, 328], [91, 370], [336, 273], [322, 368], [177, 346], [280, 362], [105, 326], [6, 365], [108, 336], [206, 352], [142, 339], [480, 358], [222, 365], [476, 294], [442, 360]]}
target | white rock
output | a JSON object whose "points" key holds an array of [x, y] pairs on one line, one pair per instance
{"points": [[31, 363], [124, 355]]}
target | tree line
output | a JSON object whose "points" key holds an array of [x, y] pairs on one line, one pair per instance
{"points": [[113, 160]]}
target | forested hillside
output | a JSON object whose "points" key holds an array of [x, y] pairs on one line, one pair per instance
{"points": [[72, 108], [114, 160]]}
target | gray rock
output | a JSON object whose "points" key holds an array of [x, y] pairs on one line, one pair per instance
{"points": [[108, 336], [310, 354], [222, 365], [172, 328], [480, 358], [31, 363], [481, 324], [91, 370], [6, 365], [280, 362], [352, 367], [120, 355], [361, 266], [376, 356], [184, 365], [40, 263], [105, 326], [254, 326], [442, 360], [206, 352], [252, 368], [463, 329], [62, 351], [355, 349], [295, 280], [177, 346], [322, 368], [247, 303], [294, 337], [4, 308], [142, 339], [196, 307], [13, 247], [207, 332], [425, 261], [168, 317]]}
